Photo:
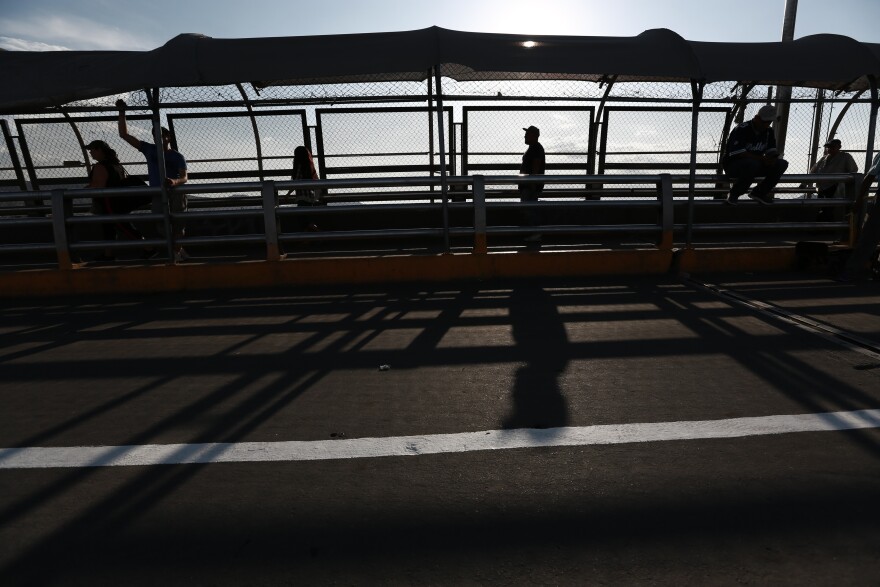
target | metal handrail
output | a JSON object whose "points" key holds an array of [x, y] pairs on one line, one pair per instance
{"points": [[271, 210]]}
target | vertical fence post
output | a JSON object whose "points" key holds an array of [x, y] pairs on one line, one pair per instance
{"points": [[441, 135], [257, 142], [479, 189], [851, 187], [270, 220], [164, 207], [783, 93], [431, 129], [872, 123], [817, 127], [697, 91], [13, 156], [60, 211], [664, 195], [856, 215]]}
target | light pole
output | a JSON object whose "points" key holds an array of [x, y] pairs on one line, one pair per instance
{"points": [[783, 93]]}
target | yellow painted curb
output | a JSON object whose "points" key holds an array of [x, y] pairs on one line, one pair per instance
{"points": [[388, 269], [735, 259]]}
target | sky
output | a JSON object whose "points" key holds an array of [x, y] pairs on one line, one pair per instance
{"points": [[39, 25]]}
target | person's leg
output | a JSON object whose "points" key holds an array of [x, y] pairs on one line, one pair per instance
{"points": [[744, 172], [128, 231], [771, 173], [828, 192], [530, 217]]}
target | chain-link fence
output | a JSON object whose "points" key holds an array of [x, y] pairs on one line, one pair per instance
{"points": [[379, 129], [493, 139], [372, 142], [239, 146]]}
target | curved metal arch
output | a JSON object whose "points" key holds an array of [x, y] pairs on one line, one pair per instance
{"points": [[597, 121], [818, 108], [257, 140], [833, 130], [872, 123], [737, 115], [79, 139]]}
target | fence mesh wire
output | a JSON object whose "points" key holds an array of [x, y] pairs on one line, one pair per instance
{"points": [[381, 129], [378, 142]]}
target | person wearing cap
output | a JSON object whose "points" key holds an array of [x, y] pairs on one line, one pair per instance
{"points": [[533, 163], [175, 171], [750, 153], [833, 161]]}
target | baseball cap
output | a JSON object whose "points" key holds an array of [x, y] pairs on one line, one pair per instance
{"points": [[833, 142], [533, 129], [767, 113]]}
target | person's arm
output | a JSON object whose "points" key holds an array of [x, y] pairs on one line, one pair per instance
{"points": [[181, 169], [537, 164], [179, 180], [813, 169], [770, 154], [99, 177], [123, 127], [747, 155], [851, 165], [736, 146]]}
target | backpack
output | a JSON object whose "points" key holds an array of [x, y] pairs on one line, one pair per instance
{"points": [[126, 204], [132, 181]]}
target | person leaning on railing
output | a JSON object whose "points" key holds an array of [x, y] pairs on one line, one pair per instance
{"points": [[175, 170], [868, 235], [751, 152]]}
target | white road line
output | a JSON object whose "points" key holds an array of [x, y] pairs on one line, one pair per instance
{"points": [[358, 448]]}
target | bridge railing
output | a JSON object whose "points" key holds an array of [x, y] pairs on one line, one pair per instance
{"points": [[669, 213]]}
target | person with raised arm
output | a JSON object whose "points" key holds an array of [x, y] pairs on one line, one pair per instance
{"points": [[175, 173]]}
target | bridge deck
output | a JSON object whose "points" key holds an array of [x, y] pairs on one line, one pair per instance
{"points": [[568, 370]]}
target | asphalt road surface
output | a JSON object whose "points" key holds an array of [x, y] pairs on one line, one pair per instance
{"points": [[662, 431]]}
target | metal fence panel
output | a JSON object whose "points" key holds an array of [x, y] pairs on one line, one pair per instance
{"points": [[224, 145], [54, 149], [380, 142], [11, 172], [492, 138]]}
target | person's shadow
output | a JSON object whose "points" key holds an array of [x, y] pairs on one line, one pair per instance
{"points": [[539, 334]]}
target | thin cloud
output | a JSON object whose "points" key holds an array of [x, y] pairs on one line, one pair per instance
{"points": [[73, 32], [11, 44]]}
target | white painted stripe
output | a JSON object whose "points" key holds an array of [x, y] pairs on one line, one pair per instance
{"points": [[240, 452]]}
